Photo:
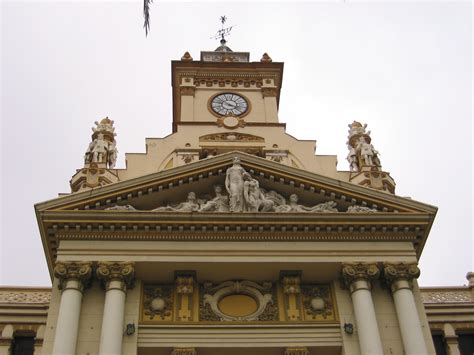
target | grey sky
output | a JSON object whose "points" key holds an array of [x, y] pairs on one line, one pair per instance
{"points": [[404, 68]]}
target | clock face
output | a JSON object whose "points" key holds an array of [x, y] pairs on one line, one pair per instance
{"points": [[225, 104]]}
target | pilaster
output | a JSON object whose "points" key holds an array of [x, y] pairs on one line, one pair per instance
{"points": [[184, 292], [290, 283]]}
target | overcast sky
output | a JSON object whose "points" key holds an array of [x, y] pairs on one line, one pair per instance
{"points": [[404, 68]]}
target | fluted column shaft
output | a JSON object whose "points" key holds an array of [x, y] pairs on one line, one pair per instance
{"points": [[116, 278], [400, 277], [357, 278], [72, 279]]}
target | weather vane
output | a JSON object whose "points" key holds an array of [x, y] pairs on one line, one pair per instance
{"points": [[223, 32]]}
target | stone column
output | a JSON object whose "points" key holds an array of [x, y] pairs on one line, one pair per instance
{"points": [[39, 339], [357, 278], [297, 351], [6, 339], [116, 278], [451, 339], [184, 351], [73, 277], [399, 276]]}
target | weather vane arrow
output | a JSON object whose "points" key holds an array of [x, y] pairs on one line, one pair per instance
{"points": [[223, 32]]}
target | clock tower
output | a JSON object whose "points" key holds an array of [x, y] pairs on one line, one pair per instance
{"points": [[223, 87]]}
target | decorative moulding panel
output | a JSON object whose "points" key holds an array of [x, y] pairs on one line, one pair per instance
{"points": [[237, 301]]}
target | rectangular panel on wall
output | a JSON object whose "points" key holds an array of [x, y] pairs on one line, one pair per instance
{"points": [[245, 301]]}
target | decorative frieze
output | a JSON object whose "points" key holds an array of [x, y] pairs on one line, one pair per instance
{"points": [[73, 271], [25, 296], [184, 351], [237, 301], [231, 137], [297, 351], [116, 271], [442, 296]]}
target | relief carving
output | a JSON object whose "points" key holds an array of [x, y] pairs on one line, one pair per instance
{"points": [[116, 271], [226, 137], [158, 302], [358, 271], [317, 301], [243, 193], [184, 294], [79, 271], [292, 296], [395, 272], [237, 301]]}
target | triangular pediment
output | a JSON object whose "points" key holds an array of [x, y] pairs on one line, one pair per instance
{"points": [[94, 214], [171, 187]]}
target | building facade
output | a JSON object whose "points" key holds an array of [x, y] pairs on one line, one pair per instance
{"points": [[230, 236]]}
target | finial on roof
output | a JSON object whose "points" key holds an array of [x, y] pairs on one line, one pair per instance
{"points": [[266, 58], [186, 57]]}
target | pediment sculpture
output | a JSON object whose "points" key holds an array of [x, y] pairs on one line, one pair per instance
{"points": [[244, 194]]}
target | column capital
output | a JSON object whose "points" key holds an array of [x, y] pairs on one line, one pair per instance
{"points": [[123, 272], [73, 271], [184, 351], [400, 275], [297, 351], [354, 272]]}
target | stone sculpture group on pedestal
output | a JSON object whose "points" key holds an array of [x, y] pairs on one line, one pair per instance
{"points": [[102, 148], [361, 152]]}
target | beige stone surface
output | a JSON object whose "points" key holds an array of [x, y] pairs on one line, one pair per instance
{"points": [[232, 246]]}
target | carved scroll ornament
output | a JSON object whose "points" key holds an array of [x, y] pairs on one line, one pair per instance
{"points": [[261, 294]]}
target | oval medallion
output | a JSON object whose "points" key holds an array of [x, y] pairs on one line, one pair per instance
{"points": [[237, 305]]}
